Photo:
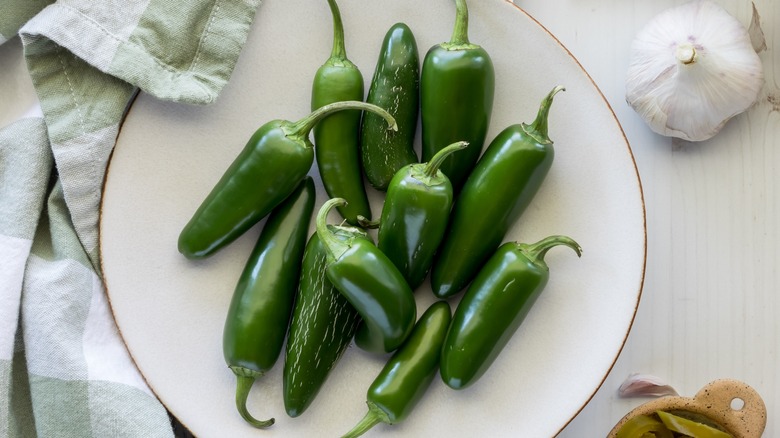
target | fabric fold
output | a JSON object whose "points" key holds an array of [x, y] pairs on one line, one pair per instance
{"points": [[64, 369], [173, 53], [16, 13], [25, 167]]}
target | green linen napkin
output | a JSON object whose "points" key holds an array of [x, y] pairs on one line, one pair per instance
{"points": [[64, 370]]}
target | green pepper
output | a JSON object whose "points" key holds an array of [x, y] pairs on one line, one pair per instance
{"points": [[337, 137], [494, 306], [457, 85], [395, 86], [644, 426], [259, 312], [408, 374], [502, 185], [687, 427], [372, 284], [323, 325], [275, 159], [415, 214]]}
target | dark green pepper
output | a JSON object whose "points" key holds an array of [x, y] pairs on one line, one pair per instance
{"points": [[415, 214], [337, 137], [408, 374], [494, 306], [372, 284], [323, 325], [275, 159], [456, 98], [259, 312], [496, 193], [396, 87]]}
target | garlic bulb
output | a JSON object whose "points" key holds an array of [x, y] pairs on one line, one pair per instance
{"points": [[693, 68]]}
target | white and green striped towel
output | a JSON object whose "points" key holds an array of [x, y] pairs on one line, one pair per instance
{"points": [[64, 370]]}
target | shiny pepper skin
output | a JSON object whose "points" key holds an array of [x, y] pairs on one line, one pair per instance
{"points": [[494, 306], [275, 159], [407, 375], [372, 284], [457, 86], [415, 215], [396, 87], [322, 327], [499, 189], [259, 313], [337, 137]]}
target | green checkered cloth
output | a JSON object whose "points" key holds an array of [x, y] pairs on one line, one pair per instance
{"points": [[64, 370]]}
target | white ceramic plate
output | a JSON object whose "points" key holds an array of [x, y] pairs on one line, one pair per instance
{"points": [[171, 311]]}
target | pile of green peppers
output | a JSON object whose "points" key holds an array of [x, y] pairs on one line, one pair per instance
{"points": [[444, 218]]}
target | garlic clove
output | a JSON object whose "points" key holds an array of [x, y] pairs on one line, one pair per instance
{"points": [[645, 385], [692, 68]]}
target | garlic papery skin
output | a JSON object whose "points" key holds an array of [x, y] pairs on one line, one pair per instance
{"points": [[644, 385], [692, 68]]}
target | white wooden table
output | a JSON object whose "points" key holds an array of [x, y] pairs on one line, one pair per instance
{"points": [[711, 299]]}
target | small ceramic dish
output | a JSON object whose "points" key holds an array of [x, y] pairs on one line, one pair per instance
{"points": [[733, 405]]}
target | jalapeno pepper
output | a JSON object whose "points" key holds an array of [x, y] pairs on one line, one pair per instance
{"points": [[457, 85], [396, 87], [337, 137], [494, 306], [259, 312], [644, 426], [502, 185], [275, 159], [408, 374], [372, 284], [322, 327], [415, 214]]}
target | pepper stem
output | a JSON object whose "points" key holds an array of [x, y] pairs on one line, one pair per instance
{"points": [[333, 246], [339, 49], [373, 417], [368, 223], [432, 167], [538, 128], [305, 125], [536, 251], [245, 378], [460, 33]]}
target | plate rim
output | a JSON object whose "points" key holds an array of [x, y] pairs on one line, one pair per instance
{"points": [[643, 273], [580, 67]]}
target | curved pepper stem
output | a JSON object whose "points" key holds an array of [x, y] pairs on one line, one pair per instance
{"points": [[460, 33], [536, 251], [339, 49], [368, 223], [538, 128], [245, 378], [373, 417], [333, 245], [432, 167], [303, 127]]}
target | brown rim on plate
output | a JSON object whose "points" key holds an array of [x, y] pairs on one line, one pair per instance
{"points": [[639, 289], [641, 194]]}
